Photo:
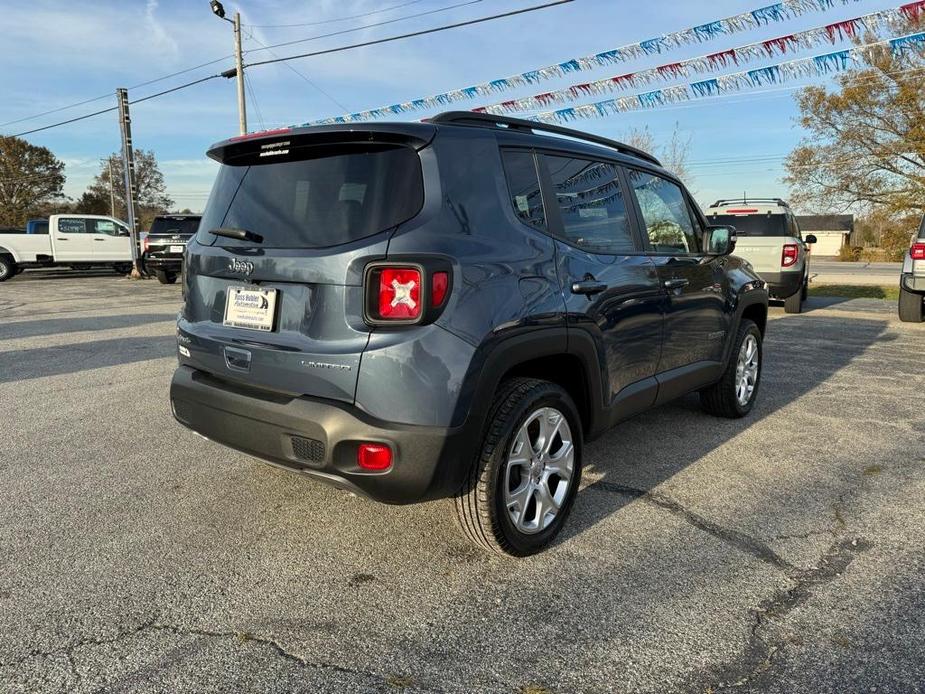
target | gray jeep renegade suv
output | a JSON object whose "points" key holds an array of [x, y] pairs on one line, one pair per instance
{"points": [[452, 308]]}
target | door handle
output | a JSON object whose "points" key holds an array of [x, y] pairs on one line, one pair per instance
{"points": [[58, 238], [99, 239], [588, 287], [675, 283]]}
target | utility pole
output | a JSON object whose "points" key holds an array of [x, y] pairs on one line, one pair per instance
{"points": [[128, 164], [112, 191], [239, 64], [219, 11]]}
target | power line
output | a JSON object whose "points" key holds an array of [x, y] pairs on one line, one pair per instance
{"points": [[368, 26], [106, 96], [337, 19], [300, 74], [412, 34]]}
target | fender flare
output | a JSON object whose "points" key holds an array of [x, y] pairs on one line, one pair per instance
{"points": [[745, 299]]}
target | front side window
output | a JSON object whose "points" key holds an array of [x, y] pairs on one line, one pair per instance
{"points": [[592, 204], [665, 213], [524, 187]]}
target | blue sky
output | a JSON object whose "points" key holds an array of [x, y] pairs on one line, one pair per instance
{"points": [[55, 53]]}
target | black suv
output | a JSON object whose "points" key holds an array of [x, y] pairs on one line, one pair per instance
{"points": [[164, 245], [452, 308]]}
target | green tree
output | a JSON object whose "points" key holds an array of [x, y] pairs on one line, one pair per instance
{"points": [[865, 148], [31, 177], [151, 191]]}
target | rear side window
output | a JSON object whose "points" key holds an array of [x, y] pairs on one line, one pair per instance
{"points": [[665, 213], [592, 205], [524, 187], [316, 196]]}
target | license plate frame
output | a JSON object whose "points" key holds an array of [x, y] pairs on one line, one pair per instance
{"points": [[176, 249], [251, 308]]}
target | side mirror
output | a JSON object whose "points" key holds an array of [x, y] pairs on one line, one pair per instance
{"points": [[810, 238], [719, 240]]}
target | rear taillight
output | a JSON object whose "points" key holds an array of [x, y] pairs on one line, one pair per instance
{"points": [[144, 245], [399, 293], [374, 456], [917, 251], [406, 294], [790, 255]]}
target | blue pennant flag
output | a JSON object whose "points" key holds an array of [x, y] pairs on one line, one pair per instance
{"points": [[706, 88], [651, 99], [609, 57], [532, 77], [765, 75], [570, 66], [833, 62], [565, 115], [471, 92], [419, 104], [442, 99], [705, 32], [651, 46], [904, 43], [499, 85], [771, 13]]}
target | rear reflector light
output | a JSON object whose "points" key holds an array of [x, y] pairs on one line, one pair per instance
{"points": [[374, 456], [399, 293], [438, 286], [918, 251], [790, 255]]}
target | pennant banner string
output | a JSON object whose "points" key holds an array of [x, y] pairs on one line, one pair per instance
{"points": [[821, 65], [762, 16], [891, 20]]}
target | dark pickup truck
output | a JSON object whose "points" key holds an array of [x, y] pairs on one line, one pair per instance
{"points": [[164, 245]]}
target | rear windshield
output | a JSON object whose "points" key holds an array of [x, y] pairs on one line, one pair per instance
{"points": [[754, 224], [174, 225], [315, 196]]}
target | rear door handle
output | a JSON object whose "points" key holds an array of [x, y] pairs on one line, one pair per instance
{"points": [[588, 287], [58, 238], [676, 283], [99, 239]]}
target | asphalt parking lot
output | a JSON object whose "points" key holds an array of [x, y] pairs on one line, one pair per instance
{"points": [[779, 553]]}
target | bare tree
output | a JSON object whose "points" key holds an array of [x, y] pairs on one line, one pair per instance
{"points": [[674, 154]]}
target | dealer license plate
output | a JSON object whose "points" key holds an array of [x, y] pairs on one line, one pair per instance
{"points": [[251, 308], [176, 249]]}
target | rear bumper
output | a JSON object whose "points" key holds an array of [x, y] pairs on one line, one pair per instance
{"points": [[783, 284], [319, 438], [913, 283], [161, 263]]}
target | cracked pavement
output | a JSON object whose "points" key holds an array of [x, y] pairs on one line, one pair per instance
{"points": [[779, 553]]}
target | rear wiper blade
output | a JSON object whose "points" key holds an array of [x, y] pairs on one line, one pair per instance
{"points": [[240, 234]]}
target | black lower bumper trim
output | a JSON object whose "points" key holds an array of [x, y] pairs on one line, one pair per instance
{"points": [[428, 462], [783, 284]]}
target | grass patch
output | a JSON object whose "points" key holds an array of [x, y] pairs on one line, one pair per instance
{"points": [[852, 291]]}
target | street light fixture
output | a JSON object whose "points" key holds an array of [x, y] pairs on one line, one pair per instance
{"points": [[219, 11]]}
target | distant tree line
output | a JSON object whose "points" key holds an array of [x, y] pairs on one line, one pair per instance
{"points": [[32, 185]]}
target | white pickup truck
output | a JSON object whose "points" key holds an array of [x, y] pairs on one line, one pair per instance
{"points": [[769, 238], [72, 240]]}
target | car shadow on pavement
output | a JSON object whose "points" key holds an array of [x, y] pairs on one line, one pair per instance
{"points": [[57, 326], [22, 365], [638, 455]]}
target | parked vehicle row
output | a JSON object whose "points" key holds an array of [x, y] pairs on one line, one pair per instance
{"points": [[912, 280], [452, 308], [76, 241]]}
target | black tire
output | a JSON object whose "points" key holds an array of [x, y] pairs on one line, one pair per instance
{"points": [[794, 303], [910, 306], [7, 268], [804, 292], [480, 506], [721, 399], [165, 277]]}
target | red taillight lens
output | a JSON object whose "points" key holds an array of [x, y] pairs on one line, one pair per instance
{"points": [[399, 293], [438, 286], [918, 251], [790, 255], [144, 245], [374, 456]]}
